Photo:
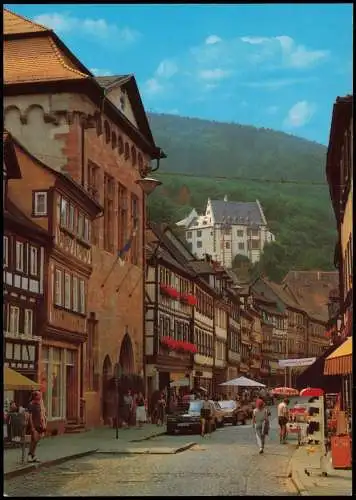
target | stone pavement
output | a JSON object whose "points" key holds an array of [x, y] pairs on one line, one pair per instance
{"points": [[53, 450], [337, 482]]}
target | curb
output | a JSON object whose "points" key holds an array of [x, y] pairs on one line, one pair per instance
{"points": [[146, 451], [26, 469], [298, 484], [185, 447], [162, 433]]}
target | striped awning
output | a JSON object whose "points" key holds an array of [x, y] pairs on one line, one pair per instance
{"points": [[340, 361]]}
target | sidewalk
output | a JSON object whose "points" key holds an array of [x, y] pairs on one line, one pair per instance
{"points": [[54, 450], [337, 482]]}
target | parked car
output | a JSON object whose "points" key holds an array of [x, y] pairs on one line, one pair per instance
{"points": [[229, 412], [190, 420]]}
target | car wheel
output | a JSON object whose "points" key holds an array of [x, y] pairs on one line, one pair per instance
{"points": [[170, 430], [234, 422], [243, 422]]}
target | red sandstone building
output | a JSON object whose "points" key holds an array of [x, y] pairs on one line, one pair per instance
{"points": [[96, 131]]}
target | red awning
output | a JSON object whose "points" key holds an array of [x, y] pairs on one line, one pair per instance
{"points": [[340, 361]]}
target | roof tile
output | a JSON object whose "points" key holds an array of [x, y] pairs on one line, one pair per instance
{"points": [[38, 59], [16, 24], [234, 212]]}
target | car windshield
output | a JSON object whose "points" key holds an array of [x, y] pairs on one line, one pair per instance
{"points": [[195, 406], [227, 404]]}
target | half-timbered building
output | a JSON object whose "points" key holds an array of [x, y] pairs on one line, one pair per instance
{"points": [[170, 301], [62, 209], [25, 250]]}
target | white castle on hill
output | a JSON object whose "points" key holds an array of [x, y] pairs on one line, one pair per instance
{"points": [[226, 229]]}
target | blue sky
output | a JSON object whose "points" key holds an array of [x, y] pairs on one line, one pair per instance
{"points": [[273, 66]]}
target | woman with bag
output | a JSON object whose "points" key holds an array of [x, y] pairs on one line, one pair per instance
{"points": [[260, 422]]}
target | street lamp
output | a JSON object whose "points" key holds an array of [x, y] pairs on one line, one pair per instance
{"points": [[148, 185], [118, 373]]}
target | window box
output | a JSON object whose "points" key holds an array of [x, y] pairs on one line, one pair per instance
{"points": [[188, 299], [170, 291]]}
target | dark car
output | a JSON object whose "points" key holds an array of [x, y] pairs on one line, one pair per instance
{"points": [[189, 420], [230, 412]]}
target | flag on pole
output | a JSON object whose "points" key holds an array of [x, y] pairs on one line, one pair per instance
{"points": [[126, 248]]}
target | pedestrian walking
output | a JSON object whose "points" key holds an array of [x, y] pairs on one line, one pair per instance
{"points": [[141, 416], [205, 415], [260, 423], [36, 423], [127, 409], [282, 412], [161, 409]]}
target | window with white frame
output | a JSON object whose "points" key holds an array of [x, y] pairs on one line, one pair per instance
{"points": [[80, 226], [58, 287], [82, 296], [64, 212], [6, 252], [33, 260], [14, 319], [28, 322], [71, 217], [75, 293], [67, 291], [19, 256], [86, 230], [40, 203]]}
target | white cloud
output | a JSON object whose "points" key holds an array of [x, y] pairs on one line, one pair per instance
{"points": [[101, 72], [212, 39], [278, 83], [272, 110], [254, 40], [293, 55], [65, 23], [213, 74], [153, 87], [300, 114], [166, 69]]}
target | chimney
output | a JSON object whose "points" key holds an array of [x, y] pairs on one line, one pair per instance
{"points": [[225, 198]]}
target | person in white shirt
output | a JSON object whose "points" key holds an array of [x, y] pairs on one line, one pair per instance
{"points": [[282, 411], [260, 423]]}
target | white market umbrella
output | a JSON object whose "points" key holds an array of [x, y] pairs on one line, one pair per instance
{"points": [[243, 382], [184, 382]]}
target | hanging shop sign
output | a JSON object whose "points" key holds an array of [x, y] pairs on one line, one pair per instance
{"points": [[290, 363]]}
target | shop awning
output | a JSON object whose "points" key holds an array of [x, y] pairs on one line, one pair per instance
{"points": [[14, 381], [340, 361]]}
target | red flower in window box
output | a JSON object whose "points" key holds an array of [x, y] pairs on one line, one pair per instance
{"points": [[170, 291], [189, 299]]}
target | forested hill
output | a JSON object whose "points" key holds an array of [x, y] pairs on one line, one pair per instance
{"points": [[207, 147], [299, 214]]}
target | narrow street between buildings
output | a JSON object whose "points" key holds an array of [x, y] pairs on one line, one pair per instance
{"points": [[225, 463]]}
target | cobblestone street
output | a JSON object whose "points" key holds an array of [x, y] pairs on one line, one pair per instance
{"points": [[227, 463]]}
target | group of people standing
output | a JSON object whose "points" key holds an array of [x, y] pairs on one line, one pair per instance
{"points": [[33, 423], [133, 409]]}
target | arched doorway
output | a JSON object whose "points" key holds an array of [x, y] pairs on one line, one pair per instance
{"points": [[106, 391], [126, 359]]}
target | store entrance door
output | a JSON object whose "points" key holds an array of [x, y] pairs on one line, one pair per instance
{"points": [[71, 394]]}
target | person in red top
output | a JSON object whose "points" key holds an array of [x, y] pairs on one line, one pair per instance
{"points": [[37, 423]]}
